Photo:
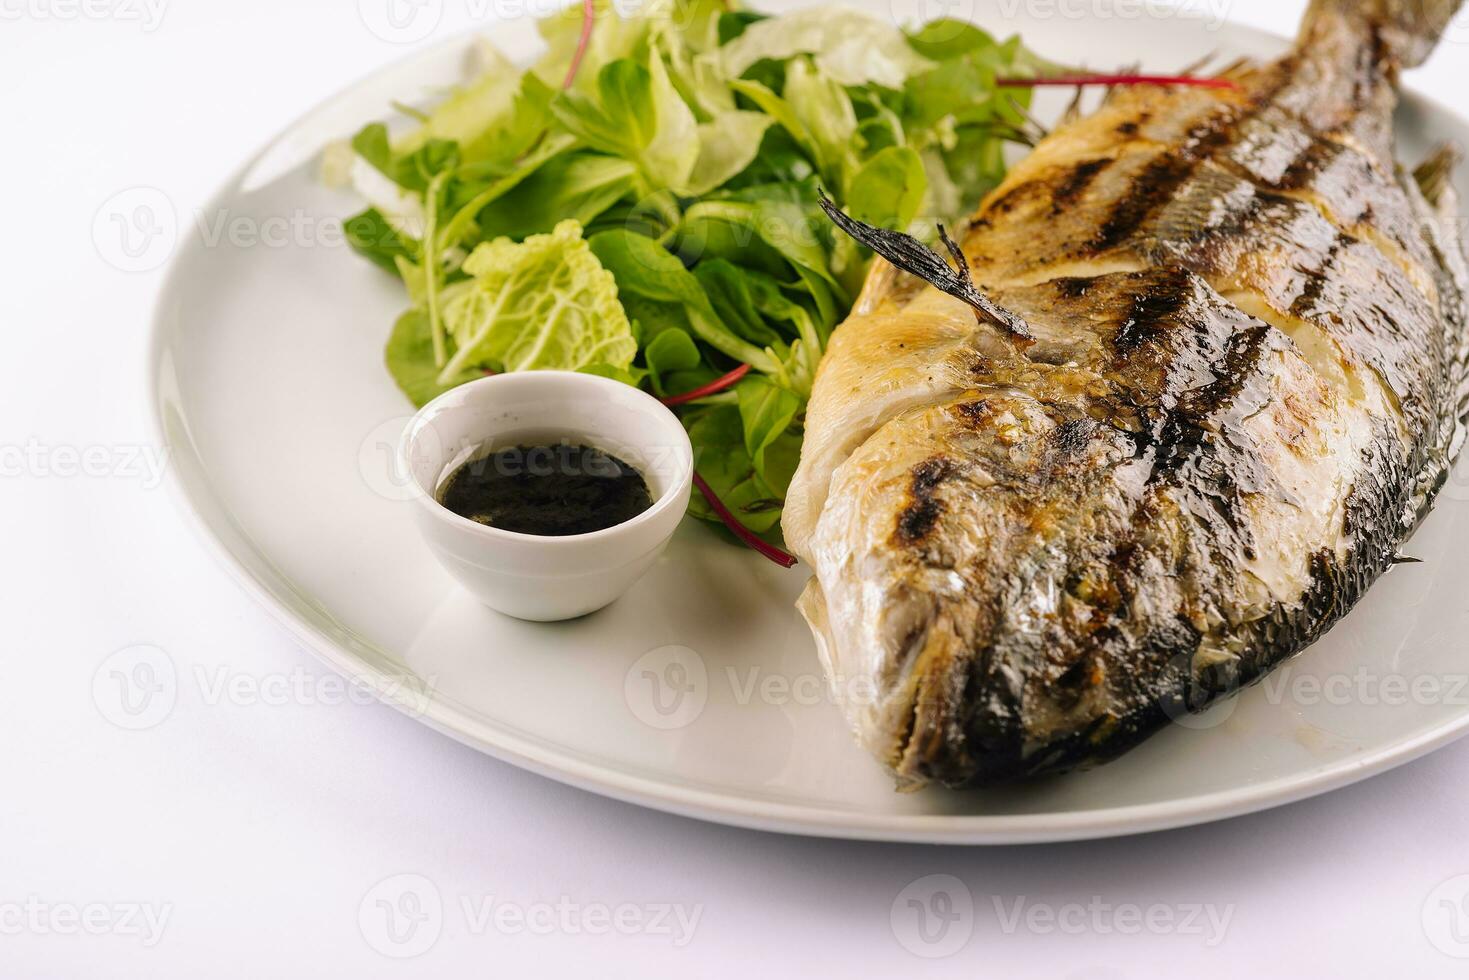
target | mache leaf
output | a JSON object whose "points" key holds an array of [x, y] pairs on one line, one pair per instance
{"points": [[409, 357], [644, 268], [577, 185], [766, 412], [889, 189]]}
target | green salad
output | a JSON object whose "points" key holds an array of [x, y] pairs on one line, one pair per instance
{"points": [[641, 203]]}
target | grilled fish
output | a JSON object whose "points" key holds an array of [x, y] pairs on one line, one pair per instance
{"points": [[1240, 383]]}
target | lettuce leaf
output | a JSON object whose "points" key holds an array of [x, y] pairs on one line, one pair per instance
{"points": [[639, 115], [671, 353], [850, 46], [473, 112], [727, 145], [542, 303], [614, 37], [374, 238], [766, 412]]}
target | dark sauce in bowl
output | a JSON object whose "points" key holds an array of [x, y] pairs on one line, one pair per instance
{"points": [[547, 489]]}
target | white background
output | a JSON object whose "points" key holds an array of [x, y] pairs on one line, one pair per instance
{"points": [[261, 830]]}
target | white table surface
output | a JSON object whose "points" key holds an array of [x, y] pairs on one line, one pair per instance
{"points": [[253, 832]]}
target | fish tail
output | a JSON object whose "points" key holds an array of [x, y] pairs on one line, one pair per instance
{"points": [[1407, 30]]}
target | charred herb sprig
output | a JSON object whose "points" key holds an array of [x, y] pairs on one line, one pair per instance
{"points": [[912, 256]]}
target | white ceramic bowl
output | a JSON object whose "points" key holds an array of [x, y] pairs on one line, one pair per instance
{"points": [[534, 576]]}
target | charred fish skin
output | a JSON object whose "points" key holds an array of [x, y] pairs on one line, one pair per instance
{"points": [[1247, 382]]}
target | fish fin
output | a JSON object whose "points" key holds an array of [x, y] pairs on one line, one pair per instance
{"points": [[1112, 91], [1073, 109], [1237, 69], [1434, 176], [1408, 29], [1431, 190], [1196, 65], [878, 287]]}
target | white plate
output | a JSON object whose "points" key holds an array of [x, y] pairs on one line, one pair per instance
{"points": [[272, 399]]}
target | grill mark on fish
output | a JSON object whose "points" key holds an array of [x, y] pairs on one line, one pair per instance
{"points": [[1162, 177], [1317, 156], [1361, 300], [1156, 185], [1352, 181], [919, 517], [1073, 185], [1150, 308], [1316, 283], [1199, 456], [1072, 287], [1370, 56], [1358, 228]]}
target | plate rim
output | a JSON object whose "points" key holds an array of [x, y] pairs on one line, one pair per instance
{"points": [[812, 820]]}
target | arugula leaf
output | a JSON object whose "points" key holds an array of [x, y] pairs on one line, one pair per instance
{"points": [[947, 38], [653, 316], [773, 304], [728, 288], [976, 162], [963, 89], [818, 117], [778, 160], [725, 228], [879, 124], [468, 200], [542, 303]]}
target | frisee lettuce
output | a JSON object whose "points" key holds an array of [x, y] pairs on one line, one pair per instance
{"points": [[653, 218]]}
